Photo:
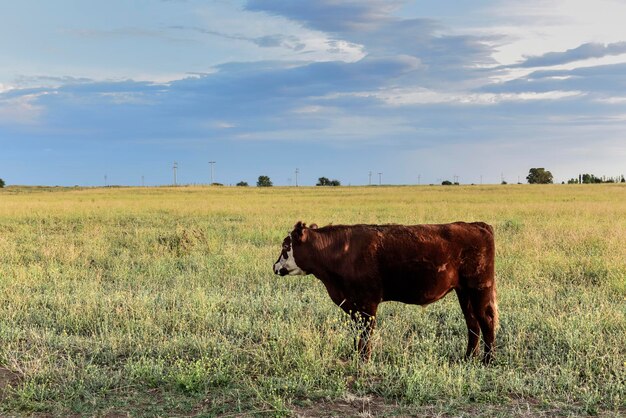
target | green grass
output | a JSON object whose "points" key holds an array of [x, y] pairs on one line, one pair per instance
{"points": [[162, 301]]}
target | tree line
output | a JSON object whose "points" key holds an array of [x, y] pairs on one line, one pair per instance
{"points": [[265, 181], [535, 176], [592, 179]]}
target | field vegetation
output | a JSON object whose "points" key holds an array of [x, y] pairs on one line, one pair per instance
{"points": [[162, 301]]}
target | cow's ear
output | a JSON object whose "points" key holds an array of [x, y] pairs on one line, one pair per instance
{"points": [[299, 231], [313, 226]]}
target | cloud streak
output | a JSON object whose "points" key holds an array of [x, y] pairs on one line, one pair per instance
{"points": [[580, 53], [267, 41]]}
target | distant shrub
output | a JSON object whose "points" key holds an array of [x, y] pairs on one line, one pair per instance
{"points": [[446, 183], [242, 184], [324, 181]]}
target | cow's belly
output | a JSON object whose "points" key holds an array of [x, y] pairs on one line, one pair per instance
{"points": [[419, 288]]}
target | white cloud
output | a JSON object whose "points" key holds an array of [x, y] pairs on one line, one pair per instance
{"points": [[20, 110], [612, 100]]}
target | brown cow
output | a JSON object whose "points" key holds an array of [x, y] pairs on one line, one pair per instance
{"points": [[364, 265]]}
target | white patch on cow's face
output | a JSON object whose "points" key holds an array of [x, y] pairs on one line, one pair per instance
{"points": [[286, 264]]}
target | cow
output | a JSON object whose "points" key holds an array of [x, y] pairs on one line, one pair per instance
{"points": [[364, 265]]}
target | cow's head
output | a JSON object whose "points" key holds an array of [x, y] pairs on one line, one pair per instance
{"points": [[286, 263]]}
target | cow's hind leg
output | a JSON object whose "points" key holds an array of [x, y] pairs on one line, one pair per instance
{"points": [[473, 327], [486, 311]]}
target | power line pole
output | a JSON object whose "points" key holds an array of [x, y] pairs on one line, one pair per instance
{"points": [[174, 169], [297, 172], [419, 179], [370, 183], [142, 183], [380, 181], [105, 181], [211, 162]]}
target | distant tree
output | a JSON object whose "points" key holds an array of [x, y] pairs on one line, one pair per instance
{"points": [[623, 180], [1, 183], [446, 183], [572, 181], [539, 176], [504, 182], [324, 181], [242, 184], [264, 181]]}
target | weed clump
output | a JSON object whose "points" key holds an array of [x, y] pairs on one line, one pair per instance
{"points": [[183, 240]]}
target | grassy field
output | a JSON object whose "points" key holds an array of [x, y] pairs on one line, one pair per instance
{"points": [[162, 301]]}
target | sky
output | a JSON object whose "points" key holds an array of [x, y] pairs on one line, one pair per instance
{"points": [[419, 91]]}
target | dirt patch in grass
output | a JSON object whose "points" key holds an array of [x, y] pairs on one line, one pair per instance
{"points": [[375, 406], [349, 406], [7, 379]]}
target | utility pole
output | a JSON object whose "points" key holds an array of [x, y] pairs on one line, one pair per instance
{"points": [[105, 181], [419, 179], [370, 183], [481, 179], [142, 183], [297, 172], [174, 169], [211, 162], [380, 181]]}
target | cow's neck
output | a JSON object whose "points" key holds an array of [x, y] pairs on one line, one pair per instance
{"points": [[322, 250], [322, 258]]}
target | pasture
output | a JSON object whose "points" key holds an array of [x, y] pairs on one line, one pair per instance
{"points": [[162, 301]]}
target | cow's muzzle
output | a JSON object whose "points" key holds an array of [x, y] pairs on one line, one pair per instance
{"points": [[281, 272]]}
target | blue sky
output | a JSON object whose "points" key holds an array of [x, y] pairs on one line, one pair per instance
{"points": [[412, 89]]}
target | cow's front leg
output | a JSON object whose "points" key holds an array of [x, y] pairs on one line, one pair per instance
{"points": [[365, 320]]}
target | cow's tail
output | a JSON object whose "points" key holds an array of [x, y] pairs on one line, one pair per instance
{"points": [[494, 299], [496, 314]]}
